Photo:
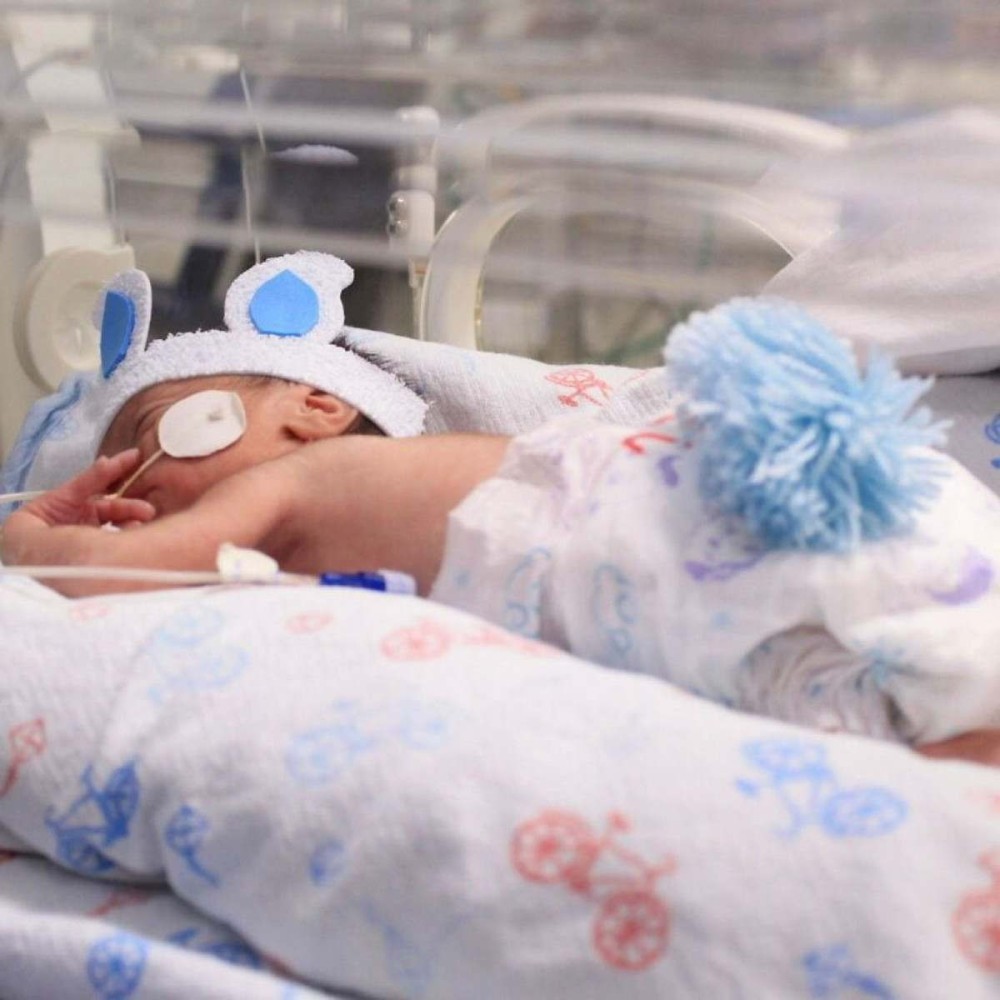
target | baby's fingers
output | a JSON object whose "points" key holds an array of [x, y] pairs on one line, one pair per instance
{"points": [[101, 476], [97, 479], [108, 470], [72, 502], [123, 511]]}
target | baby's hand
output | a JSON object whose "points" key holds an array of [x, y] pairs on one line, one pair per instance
{"points": [[28, 535], [982, 746]]}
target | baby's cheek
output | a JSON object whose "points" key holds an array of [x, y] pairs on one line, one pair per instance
{"points": [[182, 482], [175, 488]]}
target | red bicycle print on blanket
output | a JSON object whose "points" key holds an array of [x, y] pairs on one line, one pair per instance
{"points": [[87, 611], [428, 640], [632, 925], [976, 922], [26, 741], [121, 897], [581, 381], [307, 622]]}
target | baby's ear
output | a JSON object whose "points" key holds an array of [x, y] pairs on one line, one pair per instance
{"points": [[295, 296], [319, 415], [122, 314]]}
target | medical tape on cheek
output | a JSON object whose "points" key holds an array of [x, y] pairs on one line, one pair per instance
{"points": [[198, 425]]}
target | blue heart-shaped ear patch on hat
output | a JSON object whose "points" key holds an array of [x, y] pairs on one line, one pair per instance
{"points": [[117, 327], [285, 306]]}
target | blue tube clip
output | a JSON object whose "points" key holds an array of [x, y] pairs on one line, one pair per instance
{"points": [[386, 580]]}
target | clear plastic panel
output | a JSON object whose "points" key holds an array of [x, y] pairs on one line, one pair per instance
{"points": [[204, 134]]}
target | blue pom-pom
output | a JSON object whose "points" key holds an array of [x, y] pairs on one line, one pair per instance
{"points": [[809, 452]]}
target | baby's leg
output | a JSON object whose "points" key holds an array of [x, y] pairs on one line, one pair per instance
{"points": [[979, 747]]}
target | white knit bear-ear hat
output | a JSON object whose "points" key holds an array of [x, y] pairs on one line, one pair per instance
{"points": [[282, 317]]}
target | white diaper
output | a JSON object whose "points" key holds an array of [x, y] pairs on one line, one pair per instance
{"points": [[594, 538]]}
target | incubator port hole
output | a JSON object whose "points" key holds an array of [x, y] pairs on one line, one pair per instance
{"points": [[74, 338]]}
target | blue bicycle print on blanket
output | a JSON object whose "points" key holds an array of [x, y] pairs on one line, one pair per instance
{"points": [[328, 862], [115, 965], [322, 754], [833, 974], [185, 834], [227, 949], [95, 820], [798, 773], [992, 432], [411, 962], [186, 654]]}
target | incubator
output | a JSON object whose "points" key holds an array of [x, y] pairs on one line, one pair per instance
{"points": [[563, 181], [256, 790]]}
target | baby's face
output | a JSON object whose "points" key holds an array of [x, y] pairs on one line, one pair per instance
{"points": [[173, 484]]}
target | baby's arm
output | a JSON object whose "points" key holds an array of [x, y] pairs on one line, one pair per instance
{"points": [[369, 503], [82, 500], [343, 504], [61, 527]]}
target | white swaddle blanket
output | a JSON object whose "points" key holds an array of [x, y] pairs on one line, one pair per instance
{"points": [[595, 538], [393, 799]]}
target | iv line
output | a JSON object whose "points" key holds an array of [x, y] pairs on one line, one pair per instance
{"points": [[166, 576]]}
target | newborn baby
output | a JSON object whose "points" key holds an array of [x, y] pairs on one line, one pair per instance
{"points": [[593, 537], [298, 485], [539, 531]]}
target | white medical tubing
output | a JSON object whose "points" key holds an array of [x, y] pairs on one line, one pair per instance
{"points": [[20, 497], [176, 578]]}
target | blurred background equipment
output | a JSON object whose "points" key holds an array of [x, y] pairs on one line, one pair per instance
{"points": [[562, 179]]}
